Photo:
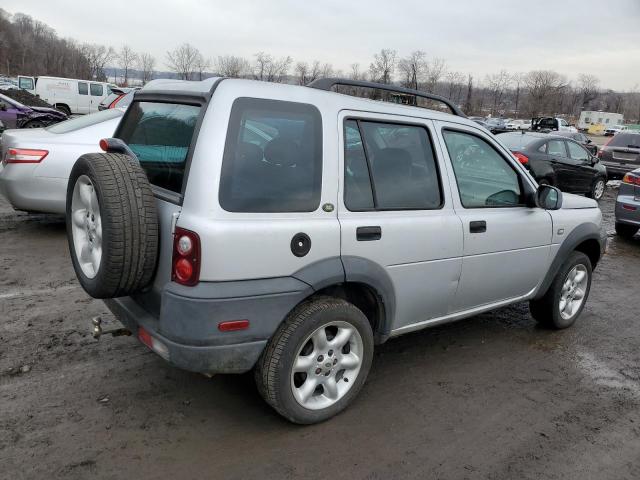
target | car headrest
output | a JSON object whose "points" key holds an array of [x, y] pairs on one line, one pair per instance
{"points": [[283, 152]]}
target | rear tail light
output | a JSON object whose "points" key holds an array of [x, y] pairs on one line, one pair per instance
{"points": [[186, 257], [25, 155], [631, 179], [522, 158]]}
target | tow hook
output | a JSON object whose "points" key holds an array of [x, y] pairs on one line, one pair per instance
{"points": [[98, 332]]}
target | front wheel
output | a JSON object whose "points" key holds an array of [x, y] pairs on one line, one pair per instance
{"points": [[317, 361], [597, 188], [563, 302]]}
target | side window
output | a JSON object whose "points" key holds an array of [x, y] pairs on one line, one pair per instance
{"points": [[83, 88], [357, 182], [577, 152], [25, 83], [96, 90], [399, 159], [556, 147], [272, 159], [484, 177], [564, 123]]}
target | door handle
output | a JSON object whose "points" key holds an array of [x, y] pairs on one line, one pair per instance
{"points": [[368, 234], [477, 226]]}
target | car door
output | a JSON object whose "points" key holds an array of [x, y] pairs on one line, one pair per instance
{"points": [[396, 214], [8, 114], [564, 168], [506, 244], [96, 91], [84, 99], [584, 171]]}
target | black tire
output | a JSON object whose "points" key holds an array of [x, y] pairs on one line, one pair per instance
{"points": [[546, 310], [594, 186], [273, 370], [129, 225], [64, 109], [626, 231], [35, 124]]}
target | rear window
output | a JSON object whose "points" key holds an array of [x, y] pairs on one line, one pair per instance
{"points": [[84, 121], [625, 140], [160, 135], [272, 158], [515, 141]]}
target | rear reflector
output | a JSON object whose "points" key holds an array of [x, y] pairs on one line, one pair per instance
{"points": [[153, 343], [25, 155], [233, 325]]}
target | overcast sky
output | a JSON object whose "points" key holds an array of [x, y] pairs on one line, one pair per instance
{"points": [[473, 36]]}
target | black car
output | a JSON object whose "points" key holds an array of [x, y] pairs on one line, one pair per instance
{"points": [[558, 161], [582, 139], [621, 154]]}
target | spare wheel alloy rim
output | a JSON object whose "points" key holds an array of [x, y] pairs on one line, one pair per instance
{"points": [[327, 365], [86, 226], [573, 291]]}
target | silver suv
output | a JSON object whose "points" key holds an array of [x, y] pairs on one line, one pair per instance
{"points": [[236, 225]]}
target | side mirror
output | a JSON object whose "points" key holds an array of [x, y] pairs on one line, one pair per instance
{"points": [[589, 141], [594, 160], [548, 197]]}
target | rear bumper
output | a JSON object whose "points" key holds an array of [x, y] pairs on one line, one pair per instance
{"points": [[187, 326], [24, 191], [627, 215], [617, 171]]}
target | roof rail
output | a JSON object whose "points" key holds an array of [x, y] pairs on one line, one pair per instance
{"points": [[329, 83]]}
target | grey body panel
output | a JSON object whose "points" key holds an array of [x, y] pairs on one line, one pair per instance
{"points": [[628, 195]]}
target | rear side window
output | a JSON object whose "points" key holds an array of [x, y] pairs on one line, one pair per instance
{"points": [[160, 135], [556, 147], [393, 169], [83, 88], [272, 158]]}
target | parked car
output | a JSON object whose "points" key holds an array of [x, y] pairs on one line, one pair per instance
{"points": [[551, 124], [496, 125], [116, 95], [16, 115], [621, 154], [235, 224], [68, 95], [628, 205], [5, 85], [519, 125], [558, 161], [582, 139], [480, 121], [36, 163], [614, 130]]}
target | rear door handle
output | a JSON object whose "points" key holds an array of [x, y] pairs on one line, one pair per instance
{"points": [[478, 226], [368, 234]]}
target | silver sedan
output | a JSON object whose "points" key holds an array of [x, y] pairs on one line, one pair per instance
{"points": [[628, 205], [36, 163]]}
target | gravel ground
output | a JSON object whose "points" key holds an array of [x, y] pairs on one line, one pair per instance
{"points": [[491, 397]]}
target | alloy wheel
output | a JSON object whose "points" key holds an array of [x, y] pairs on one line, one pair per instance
{"points": [[86, 226], [573, 291]]}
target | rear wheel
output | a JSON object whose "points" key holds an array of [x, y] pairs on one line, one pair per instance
{"points": [[597, 188], [64, 109], [112, 226], [563, 302], [317, 361], [626, 231]]}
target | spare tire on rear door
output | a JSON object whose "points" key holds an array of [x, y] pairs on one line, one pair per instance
{"points": [[112, 225]]}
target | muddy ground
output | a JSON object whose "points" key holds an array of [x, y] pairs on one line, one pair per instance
{"points": [[491, 397]]}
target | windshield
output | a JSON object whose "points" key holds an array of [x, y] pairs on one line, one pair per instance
{"points": [[626, 140], [84, 121]]}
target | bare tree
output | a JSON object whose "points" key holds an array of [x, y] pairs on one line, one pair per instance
{"points": [[456, 83], [201, 64], [183, 60], [232, 66], [413, 69], [146, 64], [383, 66], [588, 87], [543, 88], [126, 59], [468, 102], [355, 73], [269, 69], [98, 56], [302, 71], [434, 71], [517, 78], [497, 83]]}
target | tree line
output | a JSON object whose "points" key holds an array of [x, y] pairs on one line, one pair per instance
{"points": [[30, 47]]}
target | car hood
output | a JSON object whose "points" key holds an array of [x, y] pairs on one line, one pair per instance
{"points": [[571, 202], [51, 111]]}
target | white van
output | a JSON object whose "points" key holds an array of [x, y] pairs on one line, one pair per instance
{"points": [[67, 94]]}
